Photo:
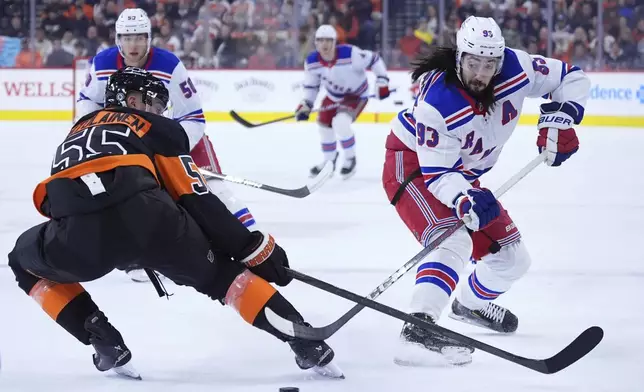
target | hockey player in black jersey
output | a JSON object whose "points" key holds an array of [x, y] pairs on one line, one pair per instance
{"points": [[123, 189]]}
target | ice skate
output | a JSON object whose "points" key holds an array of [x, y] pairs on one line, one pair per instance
{"points": [[111, 351], [348, 168], [492, 317], [315, 170], [419, 347], [316, 355]]}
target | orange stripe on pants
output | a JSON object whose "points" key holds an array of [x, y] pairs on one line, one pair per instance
{"points": [[53, 297]]}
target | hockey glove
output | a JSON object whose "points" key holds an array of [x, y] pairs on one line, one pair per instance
{"points": [[382, 83], [556, 134], [266, 259], [477, 208], [303, 110]]}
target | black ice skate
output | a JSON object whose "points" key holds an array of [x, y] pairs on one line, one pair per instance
{"points": [[111, 351], [492, 317], [420, 346], [316, 355], [315, 170], [348, 168]]}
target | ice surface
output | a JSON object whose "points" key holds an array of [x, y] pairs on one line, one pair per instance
{"points": [[581, 223]]}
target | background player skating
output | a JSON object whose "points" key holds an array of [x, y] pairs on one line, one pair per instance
{"points": [[133, 37], [341, 70], [468, 105]]}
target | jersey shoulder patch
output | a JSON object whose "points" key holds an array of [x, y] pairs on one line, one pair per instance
{"points": [[512, 76], [105, 63], [446, 99], [162, 63], [313, 60], [344, 52]]}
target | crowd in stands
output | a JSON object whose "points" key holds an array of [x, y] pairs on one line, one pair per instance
{"points": [[269, 34], [574, 37]]}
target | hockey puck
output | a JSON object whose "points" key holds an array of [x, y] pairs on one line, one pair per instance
{"points": [[398, 102], [289, 389]]}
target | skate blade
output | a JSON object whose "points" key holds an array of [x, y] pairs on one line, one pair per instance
{"points": [[138, 276], [330, 370], [416, 355], [474, 322], [348, 175], [326, 172], [127, 371]]}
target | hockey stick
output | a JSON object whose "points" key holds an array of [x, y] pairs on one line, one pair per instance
{"points": [[323, 333], [325, 174], [576, 350], [248, 124]]}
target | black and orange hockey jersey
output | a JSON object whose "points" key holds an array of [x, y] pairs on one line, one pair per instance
{"points": [[114, 153]]}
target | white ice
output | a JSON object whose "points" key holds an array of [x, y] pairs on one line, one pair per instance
{"points": [[582, 223]]}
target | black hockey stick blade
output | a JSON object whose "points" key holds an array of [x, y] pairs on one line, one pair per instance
{"points": [[325, 174], [576, 350], [248, 124], [579, 347]]}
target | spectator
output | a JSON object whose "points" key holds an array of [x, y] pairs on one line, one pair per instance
{"points": [[92, 42], [228, 33], [171, 41], [616, 59], [54, 24], [59, 57], [68, 42], [102, 28], [581, 57], [262, 59], [432, 20], [80, 23], [28, 57], [41, 44], [16, 29], [409, 45], [512, 35]]}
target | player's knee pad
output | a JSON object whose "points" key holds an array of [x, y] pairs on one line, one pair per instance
{"points": [[326, 134], [459, 244], [510, 263], [341, 124], [225, 274]]}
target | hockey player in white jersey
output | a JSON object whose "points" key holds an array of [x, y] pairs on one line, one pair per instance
{"points": [[133, 48], [341, 69], [468, 105]]}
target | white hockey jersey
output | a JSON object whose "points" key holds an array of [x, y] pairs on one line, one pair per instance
{"points": [[345, 76], [456, 142], [186, 105]]}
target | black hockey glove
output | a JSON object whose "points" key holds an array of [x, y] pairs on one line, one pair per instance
{"points": [[266, 259]]}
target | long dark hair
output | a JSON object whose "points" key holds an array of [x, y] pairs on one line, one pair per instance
{"points": [[444, 59]]}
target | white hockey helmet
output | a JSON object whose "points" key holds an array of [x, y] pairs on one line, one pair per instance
{"points": [[480, 37], [133, 21], [326, 31]]}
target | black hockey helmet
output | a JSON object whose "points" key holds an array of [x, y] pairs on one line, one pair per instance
{"points": [[129, 79]]}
